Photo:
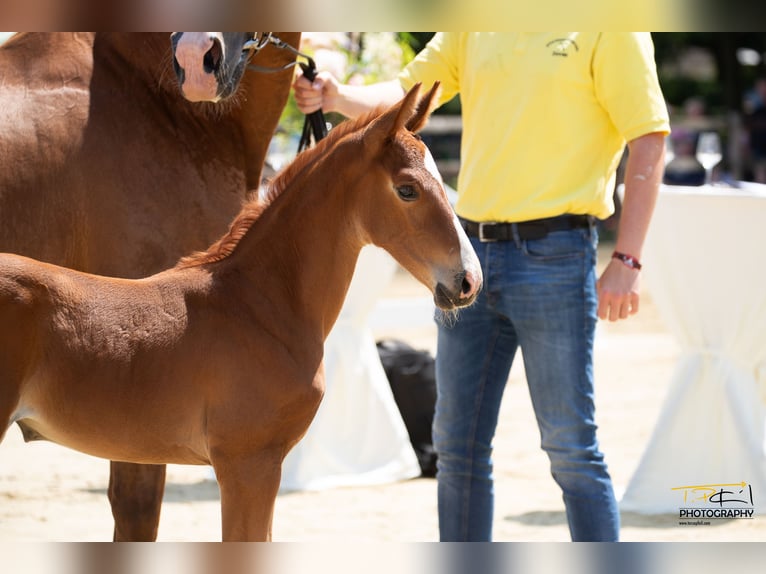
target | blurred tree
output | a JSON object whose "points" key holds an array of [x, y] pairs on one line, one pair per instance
{"points": [[722, 93]]}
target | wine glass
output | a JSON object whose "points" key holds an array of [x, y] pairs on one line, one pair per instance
{"points": [[709, 153]]}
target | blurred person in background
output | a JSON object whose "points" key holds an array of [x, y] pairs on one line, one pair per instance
{"points": [[755, 120], [684, 169]]}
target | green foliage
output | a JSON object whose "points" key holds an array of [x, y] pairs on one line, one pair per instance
{"points": [[678, 89]]}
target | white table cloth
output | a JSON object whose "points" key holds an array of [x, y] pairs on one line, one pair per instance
{"points": [[358, 436], [705, 268]]}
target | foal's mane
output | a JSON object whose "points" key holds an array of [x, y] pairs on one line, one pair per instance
{"points": [[253, 208]]}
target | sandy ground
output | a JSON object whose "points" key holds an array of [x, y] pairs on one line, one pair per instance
{"points": [[49, 493]]}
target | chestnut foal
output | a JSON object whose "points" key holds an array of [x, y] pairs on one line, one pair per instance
{"points": [[218, 360]]}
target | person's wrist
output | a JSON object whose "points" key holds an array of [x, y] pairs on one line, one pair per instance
{"points": [[627, 260], [340, 98]]}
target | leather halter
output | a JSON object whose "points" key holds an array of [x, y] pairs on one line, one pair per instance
{"points": [[315, 123]]}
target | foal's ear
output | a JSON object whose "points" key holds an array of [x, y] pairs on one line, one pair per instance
{"points": [[395, 118], [424, 108]]}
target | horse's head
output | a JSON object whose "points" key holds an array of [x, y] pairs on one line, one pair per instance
{"points": [[407, 211], [209, 65]]}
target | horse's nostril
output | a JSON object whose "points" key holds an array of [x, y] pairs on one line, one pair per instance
{"points": [[211, 62], [470, 285]]}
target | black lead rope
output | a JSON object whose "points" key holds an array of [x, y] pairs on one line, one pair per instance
{"points": [[314, 123]]}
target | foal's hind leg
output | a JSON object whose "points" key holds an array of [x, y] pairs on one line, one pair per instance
{"points": [[135, 493]]}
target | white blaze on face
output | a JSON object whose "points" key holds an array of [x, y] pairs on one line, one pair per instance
{"points": [[431, 166], [467, 254]]}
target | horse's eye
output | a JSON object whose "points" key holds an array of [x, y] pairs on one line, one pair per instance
{"points": [[407, 192]]}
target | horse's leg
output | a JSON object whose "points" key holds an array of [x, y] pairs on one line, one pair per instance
{"points": [[249, 486], [135, 493]]}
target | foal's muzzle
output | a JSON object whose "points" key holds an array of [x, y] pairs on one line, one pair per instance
{"points": [[464, 291]]}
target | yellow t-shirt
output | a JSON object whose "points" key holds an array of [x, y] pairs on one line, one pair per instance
{"points": [[546, 116]]}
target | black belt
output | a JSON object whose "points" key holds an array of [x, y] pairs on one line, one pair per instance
{"points": [[488, 231]]}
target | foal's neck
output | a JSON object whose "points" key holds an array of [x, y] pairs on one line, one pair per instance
{"points": [[302, 251]]}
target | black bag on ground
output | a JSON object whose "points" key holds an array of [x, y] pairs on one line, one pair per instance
{"points": [[411, 375]]}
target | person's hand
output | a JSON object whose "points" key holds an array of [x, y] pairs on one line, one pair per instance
{"points": [[618, 291], [319, 94]]}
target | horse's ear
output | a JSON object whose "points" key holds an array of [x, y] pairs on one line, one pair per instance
{"points": [[394, 119], [424, 108]]}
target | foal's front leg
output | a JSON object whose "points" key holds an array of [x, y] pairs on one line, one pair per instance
{"points": [[249, 487], [135, 493]]}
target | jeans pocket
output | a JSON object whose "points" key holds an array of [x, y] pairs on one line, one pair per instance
{"points": [[558, 245]]}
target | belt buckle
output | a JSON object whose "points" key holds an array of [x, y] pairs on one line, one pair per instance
{"points": [[482, 237]]}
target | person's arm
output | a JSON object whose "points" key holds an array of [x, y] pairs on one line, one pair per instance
{"points": [[327, 93], [619, 285]]}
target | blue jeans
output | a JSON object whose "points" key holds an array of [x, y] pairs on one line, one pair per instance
{"points": [[539, 295]]}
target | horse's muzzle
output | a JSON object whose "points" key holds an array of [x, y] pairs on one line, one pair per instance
{"points": [[467, 287]]}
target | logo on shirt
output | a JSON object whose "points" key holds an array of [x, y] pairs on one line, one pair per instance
{"points": [[563, 47]]}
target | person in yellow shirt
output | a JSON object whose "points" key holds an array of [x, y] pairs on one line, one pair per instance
{"points": [[546, 117]]}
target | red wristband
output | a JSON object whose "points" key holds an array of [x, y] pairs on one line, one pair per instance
{"points": [[628, 260]]}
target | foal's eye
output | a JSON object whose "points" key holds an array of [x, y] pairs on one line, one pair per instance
{"points": [[407, 192]]}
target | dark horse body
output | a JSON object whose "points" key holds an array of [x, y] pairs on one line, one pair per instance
{"points": [[106, 167]]}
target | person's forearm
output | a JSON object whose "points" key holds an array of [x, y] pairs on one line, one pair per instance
{"points": [[643, 175], [353, 101], [619, 284]]}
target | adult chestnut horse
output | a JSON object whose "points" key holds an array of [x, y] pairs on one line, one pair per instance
{"points": [[218, 360], [107, 168]]}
